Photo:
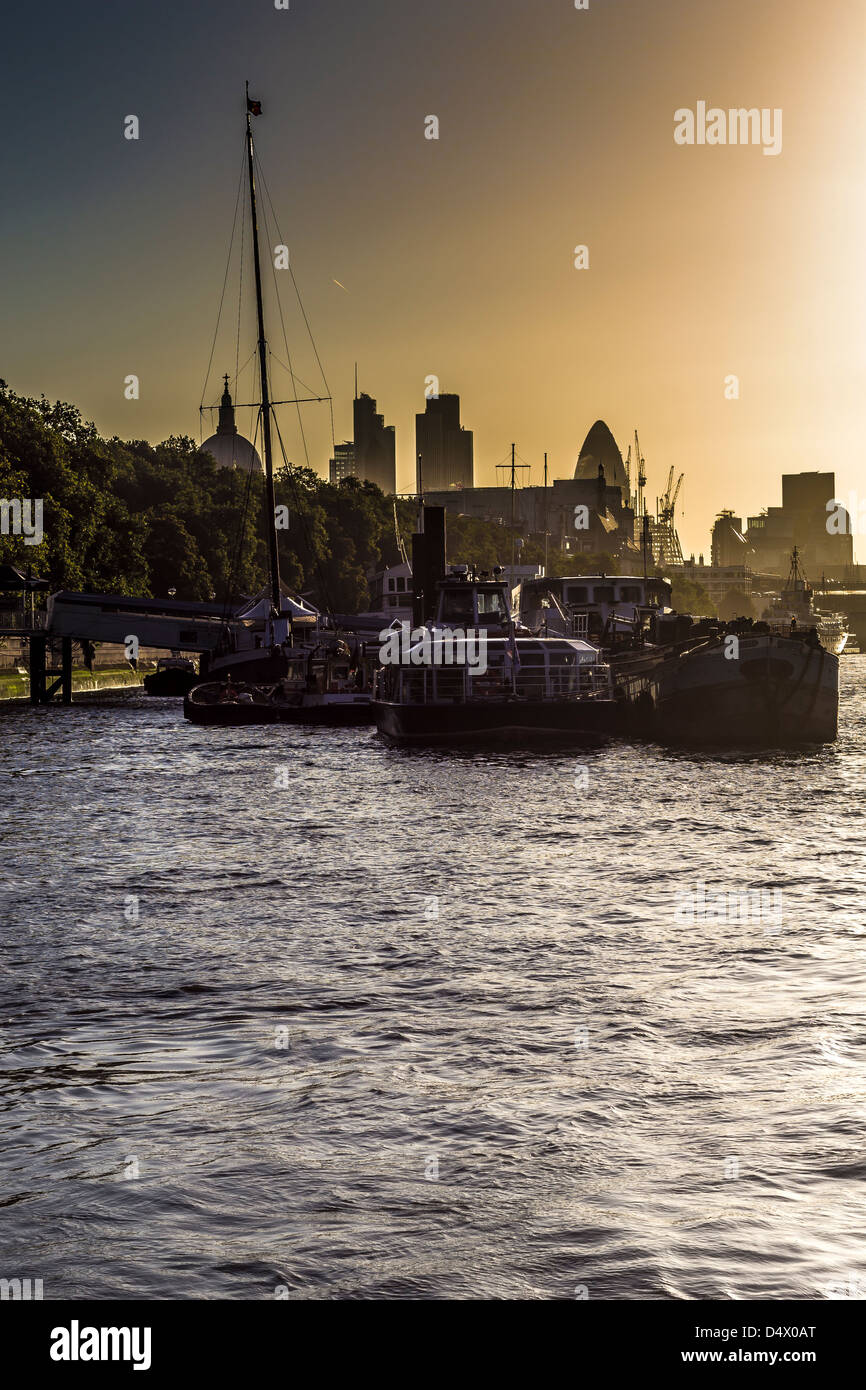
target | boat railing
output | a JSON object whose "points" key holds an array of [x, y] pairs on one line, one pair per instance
{"points": [[790, 629], [461, 683]]}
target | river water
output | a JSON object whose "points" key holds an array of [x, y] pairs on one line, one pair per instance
{"points": [[287, 1013]]}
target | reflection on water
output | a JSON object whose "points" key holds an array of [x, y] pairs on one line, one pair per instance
{"points": [[427, 1024]]}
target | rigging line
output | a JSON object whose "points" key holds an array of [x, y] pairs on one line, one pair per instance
{"points": [[296, 378], [240, 293], [300, 301], [212, 408], [225, 283], [286, 341], [289, 475], [244, 366]]}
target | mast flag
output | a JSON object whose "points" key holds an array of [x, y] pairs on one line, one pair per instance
{"points": [[254, 107]]}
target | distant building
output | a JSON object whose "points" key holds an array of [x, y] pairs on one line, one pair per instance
{"points": [[599, 449], [729, 545], [718, 580], [227, 447], [342, 465], [802, 521], [375, 445], [588, 513], [445, 448]]}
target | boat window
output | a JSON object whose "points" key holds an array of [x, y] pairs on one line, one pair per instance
{"points": [[457, 608], [629, 593], [577, 593], [604, 593], [491, 605]]}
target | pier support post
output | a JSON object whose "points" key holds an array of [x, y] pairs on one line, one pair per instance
{"points": [[37, 669], [66, 671], [44, 682]]}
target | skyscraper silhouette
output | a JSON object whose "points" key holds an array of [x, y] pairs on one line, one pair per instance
{"points": [[445, 448], [375, 449]]}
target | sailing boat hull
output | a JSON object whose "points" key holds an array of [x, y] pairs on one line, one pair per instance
{"points": [[206, 705]]}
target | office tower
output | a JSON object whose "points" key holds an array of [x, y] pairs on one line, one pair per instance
{"points": [[375, 448], [445, 449]]}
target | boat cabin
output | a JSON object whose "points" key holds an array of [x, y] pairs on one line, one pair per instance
{"points": [[329, 670], [594, 606], [469, 599]]}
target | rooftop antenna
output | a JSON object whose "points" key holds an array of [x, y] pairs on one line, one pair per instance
{"points": [[356, 381]]}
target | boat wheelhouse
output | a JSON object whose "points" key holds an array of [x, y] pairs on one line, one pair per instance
{"points": [[467, 599], [593, 606]]}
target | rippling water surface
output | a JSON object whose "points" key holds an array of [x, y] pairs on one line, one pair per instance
{"points": [[425, 1024]]}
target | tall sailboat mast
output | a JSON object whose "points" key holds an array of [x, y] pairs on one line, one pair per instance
{"points": [[254, 109]]}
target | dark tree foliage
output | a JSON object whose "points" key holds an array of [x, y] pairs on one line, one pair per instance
{"points": [[688, 596]]}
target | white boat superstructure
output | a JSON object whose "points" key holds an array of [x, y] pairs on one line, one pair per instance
{"points": [[795, 607]]}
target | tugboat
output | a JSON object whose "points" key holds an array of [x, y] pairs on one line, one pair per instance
{"points": [[473, 673], [174, 675], [796, 606]]}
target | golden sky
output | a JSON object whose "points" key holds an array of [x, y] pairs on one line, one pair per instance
{"points": [[456, 254]]}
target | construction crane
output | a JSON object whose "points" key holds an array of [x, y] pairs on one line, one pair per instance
{"points": [[676, 494], [640, 463], [667, 491], [666, 542]]}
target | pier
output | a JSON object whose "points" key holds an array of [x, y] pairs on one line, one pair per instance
{"points": [[50, 634]]}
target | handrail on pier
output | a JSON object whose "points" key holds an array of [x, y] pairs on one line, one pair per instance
{"points": [[14, 624]]}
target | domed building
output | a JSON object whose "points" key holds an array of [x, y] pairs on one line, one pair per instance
{"points": [[599, 447], [227, 447]]}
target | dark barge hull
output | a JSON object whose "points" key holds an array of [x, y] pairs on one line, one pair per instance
{"points": [[511, 721], [779, 692], [760, 715]]}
